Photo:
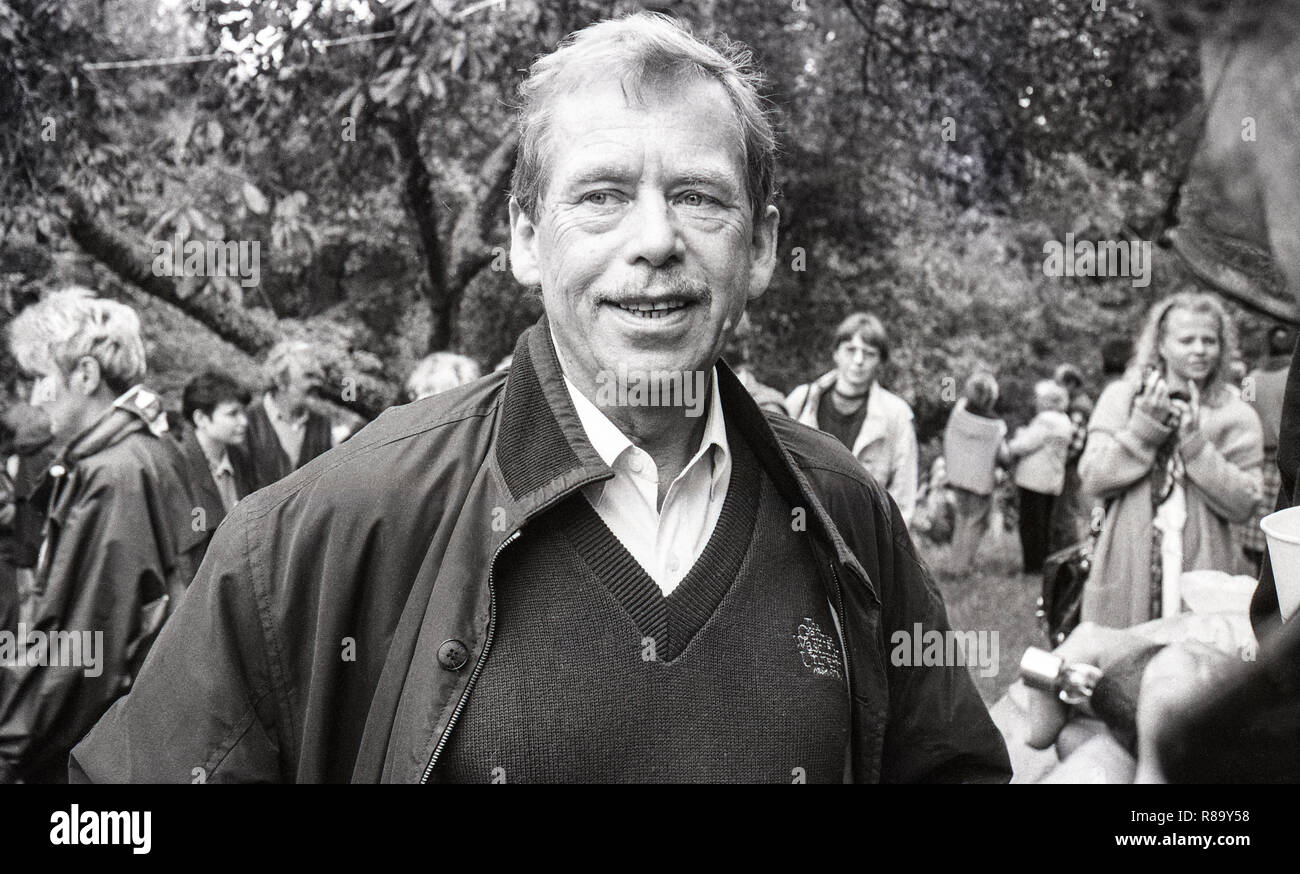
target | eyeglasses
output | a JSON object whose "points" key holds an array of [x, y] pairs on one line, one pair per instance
{"points": [[865, 352]]}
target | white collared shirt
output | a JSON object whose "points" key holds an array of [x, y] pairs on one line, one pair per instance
{"points": [[665, 542], [290, 431], [223, 472]]}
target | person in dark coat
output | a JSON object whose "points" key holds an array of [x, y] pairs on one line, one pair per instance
{"points": [[284, 432], [498, 583], [116, 549], [24, 440], [216, 424]]}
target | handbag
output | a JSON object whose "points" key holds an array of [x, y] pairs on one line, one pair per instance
{"points": [[1065, 573]]}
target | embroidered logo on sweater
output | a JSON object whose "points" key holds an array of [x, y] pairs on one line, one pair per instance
{"points": [[818, 650]]}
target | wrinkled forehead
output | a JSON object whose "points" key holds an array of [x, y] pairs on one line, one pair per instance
{"points": [[698, 105]]}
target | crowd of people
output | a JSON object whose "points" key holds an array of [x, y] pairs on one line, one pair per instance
{"points": [[110, 501], [319, 607], [1172, 456], [1174, 461]]}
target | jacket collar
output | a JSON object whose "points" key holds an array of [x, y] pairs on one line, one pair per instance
{"points": [[543, 454], [136, 410]]}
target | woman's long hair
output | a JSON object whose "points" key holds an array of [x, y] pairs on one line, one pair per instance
{"points": [[1146, 349]]}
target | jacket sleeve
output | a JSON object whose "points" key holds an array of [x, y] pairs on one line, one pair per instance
{"points": [[203, 709], [939, 729], [902, 482], [1026, 440], [105, 564], [1228, 477], [1122, 443]]}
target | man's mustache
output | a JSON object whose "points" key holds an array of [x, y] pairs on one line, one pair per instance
{"points": [[669, 288]]}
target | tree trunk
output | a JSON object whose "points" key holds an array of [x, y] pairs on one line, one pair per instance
{"points": [[418, 193]]}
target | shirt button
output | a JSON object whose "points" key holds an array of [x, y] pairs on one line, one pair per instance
{"points": [[635, 463], [453, 655], [673, 564]]}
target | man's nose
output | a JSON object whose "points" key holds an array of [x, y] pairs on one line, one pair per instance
{"points": [[656, 237]]}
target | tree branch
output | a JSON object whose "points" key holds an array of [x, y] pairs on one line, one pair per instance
{"points": [[367, 396]]}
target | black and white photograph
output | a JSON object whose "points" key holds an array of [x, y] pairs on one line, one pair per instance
{"points": [[693, 392]]}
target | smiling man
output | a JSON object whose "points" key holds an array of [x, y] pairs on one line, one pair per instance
{"points": [[527, 579]]}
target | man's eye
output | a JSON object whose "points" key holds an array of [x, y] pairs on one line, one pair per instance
{"points": [[694, 198], [599, 198]]}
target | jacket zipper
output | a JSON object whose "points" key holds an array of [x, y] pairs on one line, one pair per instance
{"points": [[843, 623], [844, 644], [478, 666]]}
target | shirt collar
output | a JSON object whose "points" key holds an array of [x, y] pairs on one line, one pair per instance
{"points": [[222, 467], [610, 443]]}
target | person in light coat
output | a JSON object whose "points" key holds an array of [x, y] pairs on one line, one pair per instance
{"points": [[875, 424], [971, 442], [1038, 452], [1175, 454]]}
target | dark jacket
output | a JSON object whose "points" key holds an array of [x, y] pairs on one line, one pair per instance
{"points": [[385, 548], [203, 487], [117, 552], [267, 460]]}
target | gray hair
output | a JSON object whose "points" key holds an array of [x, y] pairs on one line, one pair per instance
{"points": [[438, 373], [289, 360], [1051, 395], [72, 324], [641, 49]]}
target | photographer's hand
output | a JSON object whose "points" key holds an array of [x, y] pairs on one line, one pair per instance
{"points": [[1154, 398], [1173, 679], [1089, 644]]}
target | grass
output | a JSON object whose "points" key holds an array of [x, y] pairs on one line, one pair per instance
{"points": [[995, 596]]}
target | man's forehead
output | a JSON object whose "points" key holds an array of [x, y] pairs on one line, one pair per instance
{"points": [[586, 98], [696, 122]]}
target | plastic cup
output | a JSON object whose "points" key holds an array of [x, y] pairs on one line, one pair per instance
{"points": [[1282, 531]]}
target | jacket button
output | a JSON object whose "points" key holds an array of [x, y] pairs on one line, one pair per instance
{"points": [[453, 655]]}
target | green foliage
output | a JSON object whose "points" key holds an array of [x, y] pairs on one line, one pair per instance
{"points": [[929, 149]]}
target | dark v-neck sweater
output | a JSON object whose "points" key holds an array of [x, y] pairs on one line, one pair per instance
{"points": [[595, 676]]}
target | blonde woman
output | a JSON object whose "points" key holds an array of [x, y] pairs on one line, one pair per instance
{"points": [[1176, 455]]}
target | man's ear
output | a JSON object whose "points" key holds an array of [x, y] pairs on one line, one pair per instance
{"points": [[85, 378], [762, 249], [194, 418], [523, 247]]}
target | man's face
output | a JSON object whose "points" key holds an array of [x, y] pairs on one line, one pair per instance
{"points": [[644, 243], [295, 393], [227, 425], [63, 397]]}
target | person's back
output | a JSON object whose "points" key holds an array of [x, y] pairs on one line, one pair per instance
{"points": [[970, 448], [1042, 468]]}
